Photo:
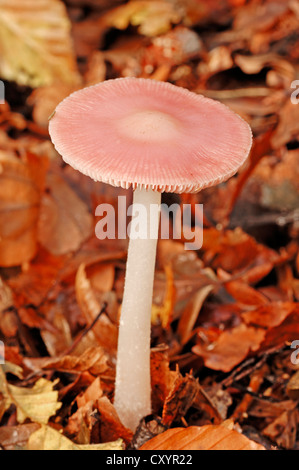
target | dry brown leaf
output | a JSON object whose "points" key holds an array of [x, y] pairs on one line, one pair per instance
{"points": [[233, 250], [104, 330], [16, 437], [21, 184], [283, 429], [191, 312], [270, 315], [38, 33], [181, 396], [92, 360], [101, 276], [245, 294], [80, 423], [93, 393], [264, 408], [65, 222], [111, 427], [209, 437], [286, 331], [161, 377], [230, 348]]}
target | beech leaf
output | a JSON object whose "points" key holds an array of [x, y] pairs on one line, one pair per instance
{"points": [[47, 438], [209, 437], [38, 403], [21, 183], [38, 33]]}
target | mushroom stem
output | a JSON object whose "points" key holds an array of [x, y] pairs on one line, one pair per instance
{"points": [[133, 386]]}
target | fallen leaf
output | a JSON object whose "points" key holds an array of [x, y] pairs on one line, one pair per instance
{"points": [[12, 437], [38, 31], [62, 229], [110, 425], [271, 315], [161, 377], [81, 422], [151, 17], [191, 312], [34, 284], [104, 330], [180, 398], [163, 313], [21, 184], [263, 408], [245, 294], [47, 438], [209, 437], [283, 429], [231, 347], [92, 360], [38, 403]]}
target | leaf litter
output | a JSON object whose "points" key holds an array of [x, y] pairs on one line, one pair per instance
{"points": [[224, 317]]}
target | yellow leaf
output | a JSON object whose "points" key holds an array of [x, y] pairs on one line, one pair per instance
{"points": [[9, 367], [152, 17], [35, 43], [38, 403], [47, 438]]}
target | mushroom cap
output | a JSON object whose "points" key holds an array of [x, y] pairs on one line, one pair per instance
{"points": [[135, 132]]}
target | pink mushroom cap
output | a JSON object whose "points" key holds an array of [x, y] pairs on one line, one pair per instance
{"points": [[134, 132]]}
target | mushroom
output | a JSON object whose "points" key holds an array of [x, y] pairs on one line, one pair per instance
{"points": [[152, 137]]}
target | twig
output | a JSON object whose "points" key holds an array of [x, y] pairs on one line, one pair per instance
{"points": [[87, 329]]}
